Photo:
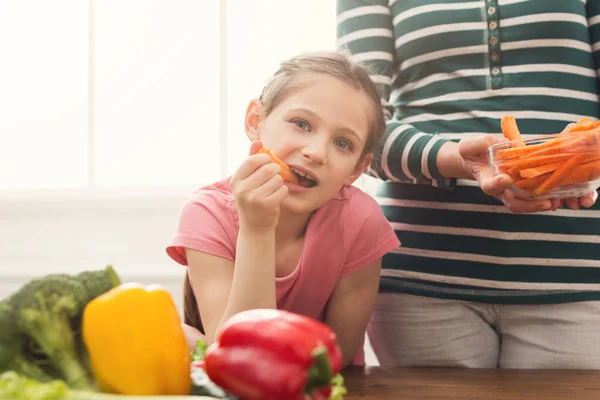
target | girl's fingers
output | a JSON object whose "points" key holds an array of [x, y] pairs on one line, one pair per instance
{"points": [[269, 187], [252, 165], [255, 146], [278, 195], [262, 175]]}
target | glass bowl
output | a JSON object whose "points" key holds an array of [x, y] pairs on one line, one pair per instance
{"points": [[550, 167]]}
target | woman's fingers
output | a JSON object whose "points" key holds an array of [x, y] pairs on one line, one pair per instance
{"points": [[492, 184], [471, 148], [589, 200], [572, 124], [521, 206], [557, 203], [572, 203]]}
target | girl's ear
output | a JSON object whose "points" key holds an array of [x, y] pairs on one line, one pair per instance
{"points": [[361, 166], [254, 114]]}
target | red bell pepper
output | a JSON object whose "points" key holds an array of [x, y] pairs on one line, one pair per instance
{"points": [[273, 355]]}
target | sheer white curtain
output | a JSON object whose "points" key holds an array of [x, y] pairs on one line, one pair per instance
{"points": [[112, 111], [139, 93]]}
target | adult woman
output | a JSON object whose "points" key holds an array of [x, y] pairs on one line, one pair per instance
{"points": [[476, 283]]}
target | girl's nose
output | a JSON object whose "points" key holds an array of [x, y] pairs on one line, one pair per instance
{"points": [[315, 152]]}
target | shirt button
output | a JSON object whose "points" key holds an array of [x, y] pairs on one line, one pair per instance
{"points": [[495, 71], [493, 25], [495, 57], [491, 10], [494, 40]]}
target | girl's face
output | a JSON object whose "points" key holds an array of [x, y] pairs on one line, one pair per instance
{"points": [[319, 128]]}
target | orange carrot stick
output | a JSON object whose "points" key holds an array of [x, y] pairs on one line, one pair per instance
{"points": [[286, 173], [584, 124], [516, 152], [522, 151], [570, 157], [513, 175], [588, 138], [540, 169], [577, 145], [584, 173], [591, 137], [510, 130], [532, 183], [563, 172], [530, 162]]}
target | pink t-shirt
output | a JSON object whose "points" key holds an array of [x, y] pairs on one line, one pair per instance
{"points": [[344, 235]]}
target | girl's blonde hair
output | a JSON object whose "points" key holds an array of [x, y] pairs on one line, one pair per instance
{"points": [[334, 64]]}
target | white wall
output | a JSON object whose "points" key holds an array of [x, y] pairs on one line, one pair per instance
{"points": [[75, 231]]}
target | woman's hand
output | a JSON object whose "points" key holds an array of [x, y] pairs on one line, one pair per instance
{"points": [[258, 190], [587, 201], [473, 151]]}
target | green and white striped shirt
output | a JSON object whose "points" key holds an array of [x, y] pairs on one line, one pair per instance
{"points": [[452, 68]]}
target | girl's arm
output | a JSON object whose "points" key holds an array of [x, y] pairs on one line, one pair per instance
{"points": [[350, 306], [223, 289]]}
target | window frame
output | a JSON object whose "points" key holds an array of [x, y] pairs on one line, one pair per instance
{"points": [[118, 196]]}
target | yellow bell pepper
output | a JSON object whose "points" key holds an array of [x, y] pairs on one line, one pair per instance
{"points": [[136, 343]]}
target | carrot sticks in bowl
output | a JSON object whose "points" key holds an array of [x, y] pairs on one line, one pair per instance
{"points": [[543, 167]]}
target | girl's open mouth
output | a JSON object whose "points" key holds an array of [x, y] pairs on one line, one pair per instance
{"points": [[304, 180]]}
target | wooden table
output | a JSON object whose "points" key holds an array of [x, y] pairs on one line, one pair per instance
{"points": [[442, 383]]}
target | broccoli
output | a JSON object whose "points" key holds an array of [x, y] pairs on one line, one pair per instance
{"points": [[18, 387], [14, 386], [43, 310], [41, 327], [40, 335], [13, 348], [95, 284], [98, 282]]}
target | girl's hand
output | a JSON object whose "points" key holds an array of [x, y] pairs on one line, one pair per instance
{"points": [[258, 190], [473, 151]]}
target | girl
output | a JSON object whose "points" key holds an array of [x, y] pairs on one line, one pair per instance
{"points": [[315, 247]]}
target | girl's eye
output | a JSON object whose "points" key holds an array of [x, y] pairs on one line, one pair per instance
{"points": [[300, 123], [343, 144]]}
